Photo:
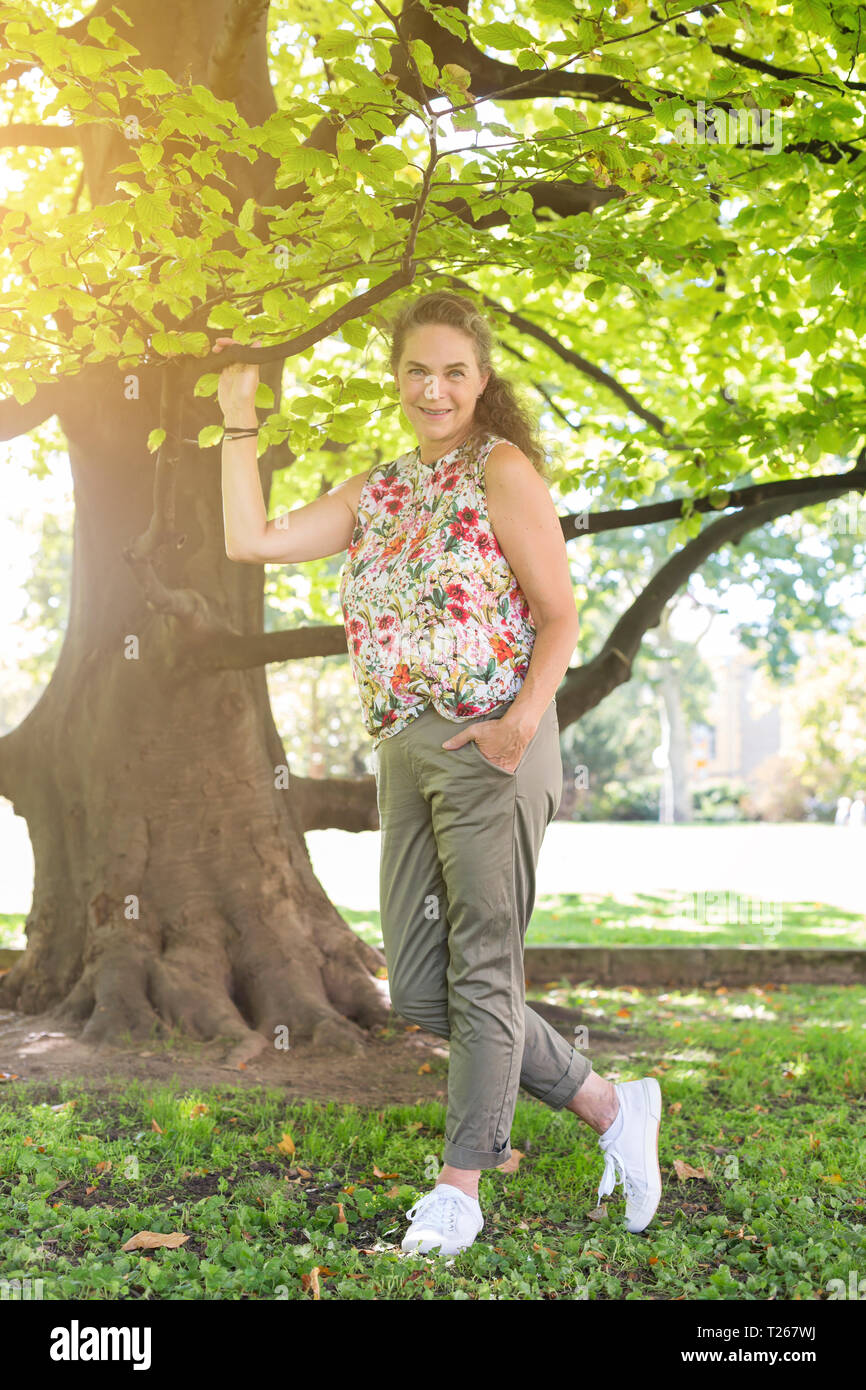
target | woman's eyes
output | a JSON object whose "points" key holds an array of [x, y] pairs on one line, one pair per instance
{"points": [[413, 371]]}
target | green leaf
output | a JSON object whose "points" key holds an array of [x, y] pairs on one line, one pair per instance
{"points": [[99, 28], [209, 435], [156, 82], [355, 333], [151, 210], [504, 37], [813, 15], [154, 439], [452, 20], [823, 278], [150, 154], [264, 395], [207, 384]]}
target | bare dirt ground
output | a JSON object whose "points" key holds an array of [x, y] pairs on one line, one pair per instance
{"points": [[400, 1066]]}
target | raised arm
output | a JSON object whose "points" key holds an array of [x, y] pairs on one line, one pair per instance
{"points": [[323, 527]]}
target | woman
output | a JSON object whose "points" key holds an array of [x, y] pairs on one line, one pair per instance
{"points": [[460, 622]]}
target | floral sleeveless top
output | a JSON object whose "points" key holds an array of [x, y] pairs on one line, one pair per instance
{"points": [[432, 609]]}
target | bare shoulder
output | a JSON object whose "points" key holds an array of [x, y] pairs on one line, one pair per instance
{"points": [[508, 468], [350, 490]]}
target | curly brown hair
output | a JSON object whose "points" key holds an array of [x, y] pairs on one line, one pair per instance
{"points": [[499, 409]]}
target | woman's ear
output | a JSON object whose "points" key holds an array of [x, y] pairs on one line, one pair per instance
{"points": [[484, 381]]}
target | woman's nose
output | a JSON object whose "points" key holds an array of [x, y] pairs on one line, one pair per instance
{"points": [[431, 387]]}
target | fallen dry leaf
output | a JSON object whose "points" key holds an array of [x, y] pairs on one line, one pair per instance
{"points": [[341, 1215], [311, 1280], [155, 1240], [103, 1165], [305, 1172], [425, 1066], [512, 1163], [598, 1213], [155, 1126], [379, 1174], [685, 1170], [675, 1107], [286, 1144]]}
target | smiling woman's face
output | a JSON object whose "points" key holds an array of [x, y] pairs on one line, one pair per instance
{"points": [[439, 383]]}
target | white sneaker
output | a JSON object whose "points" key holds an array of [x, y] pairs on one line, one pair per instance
{"points": [[445, 1218], [631, 1151]]}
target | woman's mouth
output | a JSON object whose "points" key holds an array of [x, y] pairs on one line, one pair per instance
{"points": [[434, 413]]}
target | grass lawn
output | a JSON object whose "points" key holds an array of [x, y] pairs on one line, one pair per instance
{"points": [[639, 919], [763, 1099], [668, 919]]}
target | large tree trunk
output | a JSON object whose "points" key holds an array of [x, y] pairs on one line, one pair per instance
{"points": [[173, 888]]}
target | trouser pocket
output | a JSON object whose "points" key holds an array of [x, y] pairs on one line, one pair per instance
{"points": [[549, 713]]}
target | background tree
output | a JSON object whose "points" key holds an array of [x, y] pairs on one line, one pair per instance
{"points": [[694, 287]]}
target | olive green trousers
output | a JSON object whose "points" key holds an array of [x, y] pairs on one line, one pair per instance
{"points": [[460, 839]]}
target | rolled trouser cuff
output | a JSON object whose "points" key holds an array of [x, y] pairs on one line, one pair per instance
{"points": [[458, 1156], [579, 1068]]}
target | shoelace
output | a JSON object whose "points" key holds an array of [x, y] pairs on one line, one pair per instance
{"points": [[613, 1165], [432, 1204]]}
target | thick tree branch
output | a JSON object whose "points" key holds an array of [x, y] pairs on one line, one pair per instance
{"points": [[565, 198], [490, 77], [352, 309], [230, 651], [335, 803], [239, 30], [745, 60], [325, 800], [48, 136], [574, 359], [17, 418], [823, 485], [589, 684], [227, 650]]}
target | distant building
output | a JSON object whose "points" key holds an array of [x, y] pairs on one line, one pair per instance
{"points": [[745, 722]]}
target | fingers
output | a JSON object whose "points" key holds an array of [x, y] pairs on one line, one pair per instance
{"points": [[220, 343]]}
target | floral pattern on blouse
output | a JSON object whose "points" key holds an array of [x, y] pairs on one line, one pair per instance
{"points": [[432, 609]]}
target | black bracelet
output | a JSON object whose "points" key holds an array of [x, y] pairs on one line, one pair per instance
{"points": [[240, 433]]}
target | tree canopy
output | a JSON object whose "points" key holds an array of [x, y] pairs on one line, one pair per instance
{"points": [[660, 208]]}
